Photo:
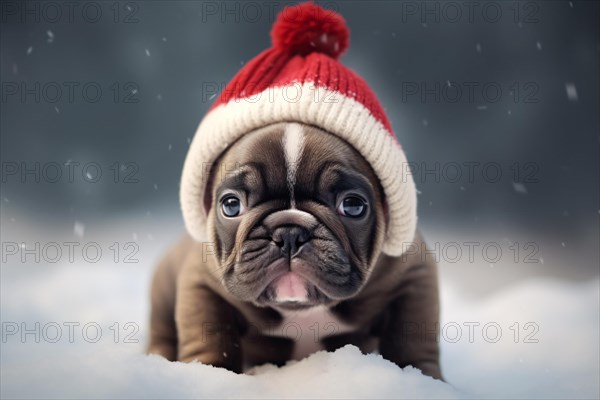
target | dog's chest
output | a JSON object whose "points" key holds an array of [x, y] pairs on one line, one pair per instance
{"points": [[307, 328]]}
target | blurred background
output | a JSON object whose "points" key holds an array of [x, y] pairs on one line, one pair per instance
{"points": [[496, 104]]}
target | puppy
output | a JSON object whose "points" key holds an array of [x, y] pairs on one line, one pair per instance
{"points": [[292, 262]]}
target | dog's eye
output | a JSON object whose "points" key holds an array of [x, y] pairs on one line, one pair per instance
{"points": [[232, 207], [352, 206]]}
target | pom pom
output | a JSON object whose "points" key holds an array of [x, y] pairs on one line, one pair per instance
{"points": [[308, 28]]}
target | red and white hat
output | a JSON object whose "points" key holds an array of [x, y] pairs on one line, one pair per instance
{"points": [[299, 79]]}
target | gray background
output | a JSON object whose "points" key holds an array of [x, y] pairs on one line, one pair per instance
{"points": [[176, 52]]}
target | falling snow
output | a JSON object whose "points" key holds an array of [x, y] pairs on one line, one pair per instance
{"points": [[29, 50], [571, 91], [50, 36], [519, 188], [148, 52], [79, 229], [478, 47]]}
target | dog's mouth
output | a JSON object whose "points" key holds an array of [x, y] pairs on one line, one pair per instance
{"points": [[291, 292], [288, 286], [295, 284], [291, 287]]}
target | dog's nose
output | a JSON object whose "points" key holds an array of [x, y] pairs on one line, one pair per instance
{"points": [[290, 239]]}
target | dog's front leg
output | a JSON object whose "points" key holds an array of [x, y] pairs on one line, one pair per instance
{"points": [[411, 334], [206, 325]]}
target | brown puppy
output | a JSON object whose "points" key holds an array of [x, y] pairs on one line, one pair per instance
{"points": [[293, 263]]}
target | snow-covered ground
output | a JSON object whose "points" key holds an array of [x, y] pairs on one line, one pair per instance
{"points": [[537, 338]]}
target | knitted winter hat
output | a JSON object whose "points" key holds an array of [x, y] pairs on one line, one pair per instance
{"points": [[299, 79]]}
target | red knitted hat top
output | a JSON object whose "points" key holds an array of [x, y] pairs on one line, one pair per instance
{"points": [[300, 79], [307, 41]]}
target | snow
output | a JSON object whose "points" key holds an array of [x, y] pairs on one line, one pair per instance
{"points": [[79, 229], [534, 338], [571, 91], [519, 187], [124, 373]]}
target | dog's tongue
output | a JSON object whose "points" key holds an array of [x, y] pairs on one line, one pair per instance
{"points": [[291, 287]]}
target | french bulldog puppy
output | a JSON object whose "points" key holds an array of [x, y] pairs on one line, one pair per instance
{"points": [[292, 263]]}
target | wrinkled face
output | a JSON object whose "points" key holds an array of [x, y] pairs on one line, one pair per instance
{"points": [[297, 217]]}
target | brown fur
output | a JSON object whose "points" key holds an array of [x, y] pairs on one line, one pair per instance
{"points": [[208, 299]]}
